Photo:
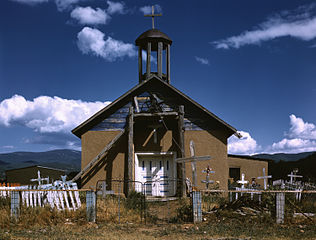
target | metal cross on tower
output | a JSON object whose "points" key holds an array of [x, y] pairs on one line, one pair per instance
{"points": [[153, 15], [265, 178]]}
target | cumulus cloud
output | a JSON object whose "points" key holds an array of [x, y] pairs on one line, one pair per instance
{"points": [[147, 9], [91, 41], [300, 138], [115, 7], [245, 145], [46, 114], [300, 24], [88, 15], [203, 61], [30, 2]]}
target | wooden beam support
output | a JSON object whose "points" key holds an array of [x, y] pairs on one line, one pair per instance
{"points": [[181, 144], [136, 104], [156, 114], [148, 63], [140, 64], [192, 159], [99, 156], [168, 63], [130, 146], [159, 60]]}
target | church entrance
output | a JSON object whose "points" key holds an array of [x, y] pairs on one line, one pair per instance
{"points": [[157, 172]]}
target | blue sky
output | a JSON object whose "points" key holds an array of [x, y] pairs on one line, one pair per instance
{"points": [[252, 63]]}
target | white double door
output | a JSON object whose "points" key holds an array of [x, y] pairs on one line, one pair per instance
{"points": [[156, 173]]}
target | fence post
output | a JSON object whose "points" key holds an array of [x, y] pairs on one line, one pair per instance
{"points": [[280, 200], [15, 204], [197, 208], [91, 206]]}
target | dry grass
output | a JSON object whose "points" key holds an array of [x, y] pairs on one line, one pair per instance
{"points": [[44, 223]]}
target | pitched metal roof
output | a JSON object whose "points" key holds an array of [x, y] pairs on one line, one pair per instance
{"points": [[138, 89]]}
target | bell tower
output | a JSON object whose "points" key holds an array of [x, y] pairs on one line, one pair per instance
{"points": [[155, 44]]}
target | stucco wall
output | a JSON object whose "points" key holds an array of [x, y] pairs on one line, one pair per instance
{"points": [[112, 166], [251, 168], [207, 144]]}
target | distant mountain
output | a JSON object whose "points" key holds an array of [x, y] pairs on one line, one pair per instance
{"points": [[69, 160], [306, 167], [284, 156]]}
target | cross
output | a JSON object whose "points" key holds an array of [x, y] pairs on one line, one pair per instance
{"points": [[152, 15], [293, 176], [207, 180], [193, 159], [265, 178], [242, 181], [39, 179]]}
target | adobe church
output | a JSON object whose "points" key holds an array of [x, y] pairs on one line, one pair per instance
{"points": [[155, 134]]}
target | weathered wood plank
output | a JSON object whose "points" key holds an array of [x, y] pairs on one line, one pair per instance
{"points": [[148, 70], [192, 159], [159, 60], [99, 156], [155, 114], [140, 64], [181, 144], [130, 128], [136, 104]]}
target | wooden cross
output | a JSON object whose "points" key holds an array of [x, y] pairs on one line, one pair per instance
{"points": [[265, 178], [193, 159], [242, 181], [39, 179], [293, 176], [153, 15], [207, 180]]}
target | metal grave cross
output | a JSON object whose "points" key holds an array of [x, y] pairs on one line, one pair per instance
{"points": [[193, 159], [39, 179], [293, 176], [242, 181], [152, 15], [265, 178], [207, 180]]}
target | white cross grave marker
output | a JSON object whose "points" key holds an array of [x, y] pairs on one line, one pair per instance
{"points": [[265, 178], [39, 179], [293, 176], [207, 180], [242, 181], [193, 159]]}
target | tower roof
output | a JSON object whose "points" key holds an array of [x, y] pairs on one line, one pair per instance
{"points": [[152, 35]]}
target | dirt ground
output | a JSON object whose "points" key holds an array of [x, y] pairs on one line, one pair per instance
{"points": [[219, 230]]}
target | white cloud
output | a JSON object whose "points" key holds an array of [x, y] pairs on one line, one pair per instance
{"points": [[88, 15], [46, 114], [245, 146], [115, 7], [91, 41], [300, 138], [8, 147], [300, 24], [203, 61], [147, 9]]}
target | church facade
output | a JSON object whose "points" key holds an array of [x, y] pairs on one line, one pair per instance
{"points": [[143, 135]]}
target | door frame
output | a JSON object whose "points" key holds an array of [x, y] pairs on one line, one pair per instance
{"points": [[169, 153]]}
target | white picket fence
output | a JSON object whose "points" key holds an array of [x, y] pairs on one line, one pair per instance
{"points": [[60, 194]]}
